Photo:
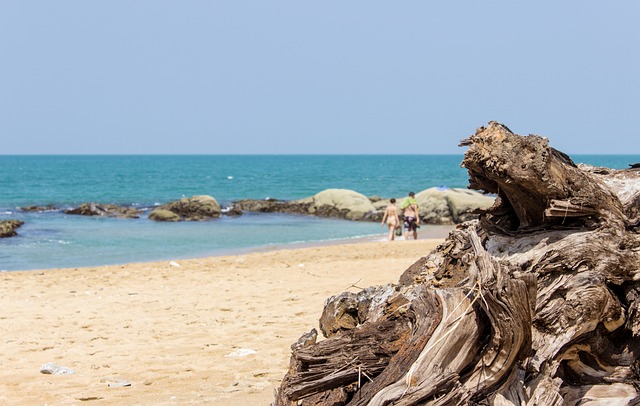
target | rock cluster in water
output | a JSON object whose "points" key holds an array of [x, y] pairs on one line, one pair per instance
{"points": [[437, 205], [109, 210], [337, 203], [440, 205]]}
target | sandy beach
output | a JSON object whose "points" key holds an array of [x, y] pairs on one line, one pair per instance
{"points": [[206, 331]]}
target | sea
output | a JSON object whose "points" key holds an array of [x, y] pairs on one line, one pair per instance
{"points": [[53, 239]]}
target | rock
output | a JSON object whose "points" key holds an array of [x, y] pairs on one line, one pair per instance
{"points": [[163, 215], [273, 206], [195, 208], [232, 211], [381, 204], [342, 203], [8, 228], [48, 207], [464, 203], [108, 210]]}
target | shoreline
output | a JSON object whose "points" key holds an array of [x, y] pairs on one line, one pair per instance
{"points": [[428, 231], [175, 331]]}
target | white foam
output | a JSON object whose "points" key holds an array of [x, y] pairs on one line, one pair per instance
{"points": [[61, 242]]}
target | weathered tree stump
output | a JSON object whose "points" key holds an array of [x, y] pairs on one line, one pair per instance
{"points": [[535, 303]]}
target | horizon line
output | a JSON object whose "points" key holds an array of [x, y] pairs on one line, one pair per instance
{"points": [[281, 154]]}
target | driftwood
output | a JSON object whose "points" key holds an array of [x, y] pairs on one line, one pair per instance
{"points": [[535, 303]]}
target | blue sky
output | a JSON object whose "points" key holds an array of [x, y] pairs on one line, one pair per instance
{"points": [[342, 77]]}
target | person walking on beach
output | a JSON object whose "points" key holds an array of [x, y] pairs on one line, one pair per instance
{"points": [[392, 219], [411, 216]]}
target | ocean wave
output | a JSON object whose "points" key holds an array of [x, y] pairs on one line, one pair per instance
{"points": [[54, 241]]}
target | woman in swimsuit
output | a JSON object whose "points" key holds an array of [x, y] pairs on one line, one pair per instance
{"points": [[391, 217]]}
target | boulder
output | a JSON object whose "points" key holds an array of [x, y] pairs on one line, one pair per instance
{"points": [[195, 208], [464, 203], [8, 228], [381, 204], [341, 203], [163, 215], [109, 210]]}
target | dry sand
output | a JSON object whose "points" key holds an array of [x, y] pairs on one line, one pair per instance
{"points": [[169, 331]]}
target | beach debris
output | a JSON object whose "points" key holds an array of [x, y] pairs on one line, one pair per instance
{"points": [[537, 301], [174, 264], [119, 383], [55, 369], [242, 352]]}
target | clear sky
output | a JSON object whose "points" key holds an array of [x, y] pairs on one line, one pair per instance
{"points": [[344, 77]]}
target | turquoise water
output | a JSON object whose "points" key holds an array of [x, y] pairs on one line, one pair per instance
{"points": [[145, 180], [53, 239]]}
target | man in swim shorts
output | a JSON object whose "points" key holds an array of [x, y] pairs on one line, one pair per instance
{"points": [[411, 216]]}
